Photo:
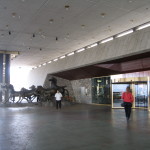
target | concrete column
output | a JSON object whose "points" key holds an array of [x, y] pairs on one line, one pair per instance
{"points": [[1, 75], [4, 76]]}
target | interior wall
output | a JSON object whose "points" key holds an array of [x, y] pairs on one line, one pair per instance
{"points": [[79, 90], [60, 82], [82, 90]]}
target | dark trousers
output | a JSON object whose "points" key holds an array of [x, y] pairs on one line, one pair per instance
{"points": [[128, 109], [58, 104]]}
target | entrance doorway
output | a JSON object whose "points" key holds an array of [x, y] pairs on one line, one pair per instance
{"points": [[139, 90], [141, 95]]}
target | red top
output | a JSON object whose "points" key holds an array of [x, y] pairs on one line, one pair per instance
{"points": [[127, 97]]}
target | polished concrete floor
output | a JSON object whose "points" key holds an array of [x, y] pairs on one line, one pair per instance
{"points": [[75, 127]]}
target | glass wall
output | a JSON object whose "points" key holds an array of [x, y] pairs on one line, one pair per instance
{"points": [[139, 88], [101, 93], [141, 95]]}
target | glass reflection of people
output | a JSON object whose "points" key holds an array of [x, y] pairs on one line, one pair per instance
{"points": [[128, 100]]}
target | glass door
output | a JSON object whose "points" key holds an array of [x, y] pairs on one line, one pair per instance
{"points": [[141, 94], [101, 93], [140, 87]]}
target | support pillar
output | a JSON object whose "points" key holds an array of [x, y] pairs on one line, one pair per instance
{"points": [[1, 75], [4, 76]]}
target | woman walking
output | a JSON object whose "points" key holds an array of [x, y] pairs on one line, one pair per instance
{"points": [[128, 100]]}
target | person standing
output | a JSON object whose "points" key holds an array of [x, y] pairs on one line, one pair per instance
{"points": [[128, 100], [58, 97]]}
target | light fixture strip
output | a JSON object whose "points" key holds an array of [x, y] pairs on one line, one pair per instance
{"points": [[62, 57], [107, 40], [44, 64], [55, 59], [93, 45], [72, 53], [49, 62], [143, 26], [124, 33], [80, 50]]}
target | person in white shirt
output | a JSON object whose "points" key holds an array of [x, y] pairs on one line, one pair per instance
{"points": [[58, 97]]}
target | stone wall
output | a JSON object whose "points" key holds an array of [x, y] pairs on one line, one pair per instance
{"points": [[82, 90], [79, 90], [60, 82]]}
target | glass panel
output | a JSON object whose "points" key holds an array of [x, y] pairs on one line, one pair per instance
{"points": [[118, 89], [141, 95], [101, 90]]}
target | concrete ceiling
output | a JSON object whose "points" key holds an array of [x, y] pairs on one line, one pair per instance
{"points": [[42, 30]]}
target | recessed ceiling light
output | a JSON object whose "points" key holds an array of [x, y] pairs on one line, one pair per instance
{"points": [[55, 59], [13, 14], [49, 62], [67, 7], [72, 53], [103, 14], [44, 64], [143, 26], [40, 65], [62, 57], [106, 40], [80, 50], [51, 21], [125, 33], [93, 45], [83, 26]]}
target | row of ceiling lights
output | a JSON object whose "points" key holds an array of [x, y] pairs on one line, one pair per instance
{"points": [[145, 25]]}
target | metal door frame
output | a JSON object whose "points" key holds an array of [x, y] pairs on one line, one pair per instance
{"points": [[133, 92]]}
